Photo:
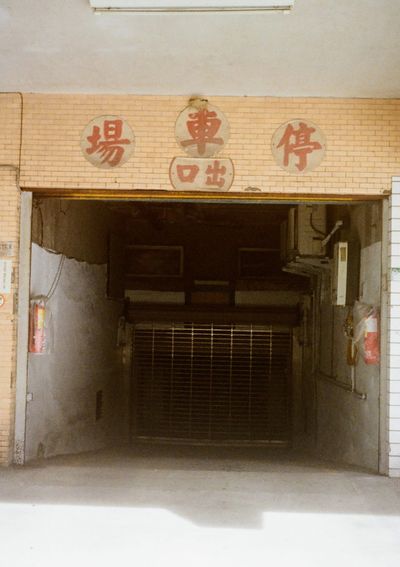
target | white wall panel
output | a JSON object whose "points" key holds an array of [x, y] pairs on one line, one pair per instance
{"points": [[393, 331]]}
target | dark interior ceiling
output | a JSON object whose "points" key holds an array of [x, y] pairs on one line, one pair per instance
{"points": [[205, 213]]}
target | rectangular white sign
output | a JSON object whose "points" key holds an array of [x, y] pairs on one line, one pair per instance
{"points": [[191, 5], [6, 249], [5, 276]]}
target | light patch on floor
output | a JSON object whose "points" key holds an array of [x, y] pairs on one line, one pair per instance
{"points": [[205, 507]]}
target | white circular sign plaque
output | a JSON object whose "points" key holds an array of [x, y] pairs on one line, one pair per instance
{"points": [[107, 141], [298, 146], [202, 132]]}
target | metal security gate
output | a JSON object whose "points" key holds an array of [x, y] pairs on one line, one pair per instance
{"points": [[201, 382]]}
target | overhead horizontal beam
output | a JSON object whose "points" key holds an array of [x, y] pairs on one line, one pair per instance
{"points": [[191, 5], [233, 197], [280, 317]]}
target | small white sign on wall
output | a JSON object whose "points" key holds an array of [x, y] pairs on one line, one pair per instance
{"points": [[6, 249], [5, 276]]}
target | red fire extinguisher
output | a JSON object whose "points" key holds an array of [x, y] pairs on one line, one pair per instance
{"points": [[37, 331], [371, 338]]}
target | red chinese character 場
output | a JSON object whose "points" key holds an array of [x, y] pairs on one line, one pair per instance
{"points": [[108, 144]]}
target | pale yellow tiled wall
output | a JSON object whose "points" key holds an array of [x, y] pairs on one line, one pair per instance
{"points": [[363, 153], [10, 107], [363, 142]]}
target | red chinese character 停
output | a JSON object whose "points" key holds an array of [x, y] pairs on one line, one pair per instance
{"points": [[298, 142], [203, 127], [109, 143]]}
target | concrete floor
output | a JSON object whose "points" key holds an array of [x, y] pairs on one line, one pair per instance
{"points": [[155, 506]]}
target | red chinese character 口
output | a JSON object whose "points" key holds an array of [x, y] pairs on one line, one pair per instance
{"points": [[187, 173], [203, 127], [298, 142], [215, 173], [109, 144]]}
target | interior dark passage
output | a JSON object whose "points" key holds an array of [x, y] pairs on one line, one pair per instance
{"points": [[202, 323], [206, 367]]}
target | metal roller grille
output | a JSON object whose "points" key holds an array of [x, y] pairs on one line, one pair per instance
{"points": [[211, 383]]}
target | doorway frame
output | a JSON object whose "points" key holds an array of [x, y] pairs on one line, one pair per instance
{"points": [[28, 194]]}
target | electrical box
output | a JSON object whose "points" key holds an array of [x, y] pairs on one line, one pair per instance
{"points": [[303, 232], [339, 273]]}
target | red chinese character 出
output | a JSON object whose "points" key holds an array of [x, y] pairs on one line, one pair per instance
{"points": [[215, 173], [187, 173], [109, 144], [203, 127], [298, 142]]}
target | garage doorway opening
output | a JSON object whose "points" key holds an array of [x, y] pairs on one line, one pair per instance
{"points": [[204, 323]]}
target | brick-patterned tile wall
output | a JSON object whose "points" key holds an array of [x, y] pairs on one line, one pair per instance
{"points": [[363, 142], [10, 106]]}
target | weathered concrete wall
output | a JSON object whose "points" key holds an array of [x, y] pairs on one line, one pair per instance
{"points": [[347, 426], [84, 359]]}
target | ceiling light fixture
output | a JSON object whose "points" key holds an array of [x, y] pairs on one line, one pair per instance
{"points": [[191, 5]]}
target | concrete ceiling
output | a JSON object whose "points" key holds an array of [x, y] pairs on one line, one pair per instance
{"points": [[340, 48]]}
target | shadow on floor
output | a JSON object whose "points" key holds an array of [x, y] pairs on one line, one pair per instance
{"points": [[208, 486]]}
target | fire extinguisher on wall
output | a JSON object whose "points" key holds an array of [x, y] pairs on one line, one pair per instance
{"points": [[371, 338], [37, 326], [367, 332]]}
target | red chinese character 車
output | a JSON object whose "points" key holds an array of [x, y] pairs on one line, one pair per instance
{"points": [[203, 127]]}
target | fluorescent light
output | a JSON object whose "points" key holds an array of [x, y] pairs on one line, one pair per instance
{"points": [[190, 5]]}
